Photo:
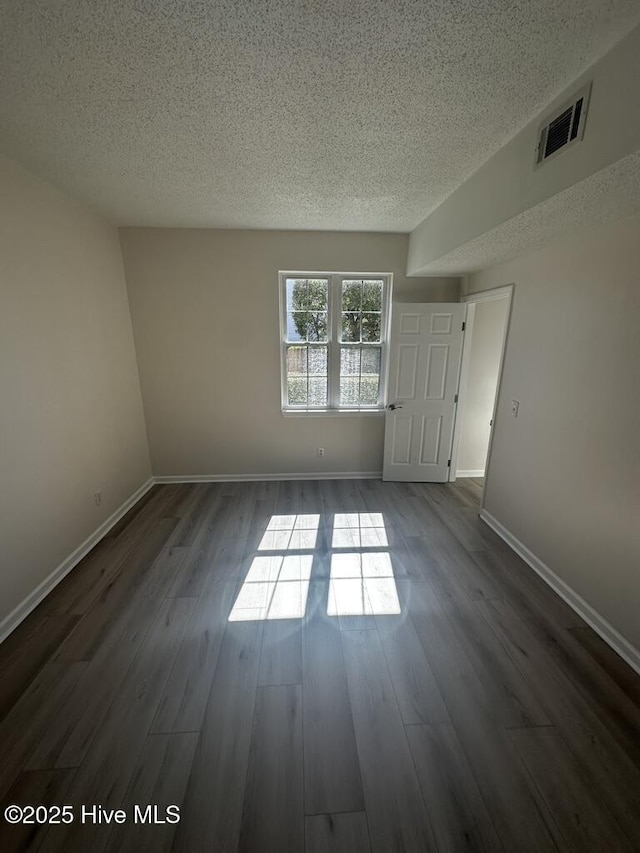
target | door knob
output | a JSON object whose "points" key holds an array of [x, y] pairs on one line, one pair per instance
{"points": [[393, 406]]}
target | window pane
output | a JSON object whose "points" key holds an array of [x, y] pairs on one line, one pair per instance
{"points": [[318, 391], [351, 327], [359, 376], [297, 376], [307, 376], [297, 390], [372, 295], [371, 361], [349, 361], [296, 294], [349, 376], [370, 377], [307, 294], [297, 326], [371, 326], [349, 390], [351, 295], [317, 325], [296, 360], [317, 294], [318, 361]]}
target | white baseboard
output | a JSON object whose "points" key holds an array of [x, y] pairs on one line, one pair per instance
{"points": [[234, 478], [599, 624], [476, 473], [10, 622]]}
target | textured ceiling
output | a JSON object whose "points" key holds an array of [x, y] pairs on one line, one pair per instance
{"points": [[324, 114], [605, 196]]}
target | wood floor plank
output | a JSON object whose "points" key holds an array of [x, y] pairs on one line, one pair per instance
{"points": [[527, 592], [12, 645], [209, 561], [273, 812], [89, 633], [32, 788], [584, 823], [337, 833], [417, 692], [241, 509], [200, 503], [68, 738], [33, 715], [468, 490], [611, 771], [261, 514], [510, 695], [459, 816], [506, 787], [179, 503], [230, 562], [191, 576], [332, 780], [395, 809], [149, 668], [617, 710], [281, 655], [287, 498], [440, 552], [186, 692], [159, 780], [310, 497], [95, 573], [465, 523], [609, 661], [212, 814], [79, 589], [108, 766], [39, 647], [439, 494], [403, 511], [152, 511]]}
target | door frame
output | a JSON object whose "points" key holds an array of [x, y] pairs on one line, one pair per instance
{"points": [[472, 299]]}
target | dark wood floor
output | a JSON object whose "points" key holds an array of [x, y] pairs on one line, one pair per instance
{"points": [[426, 691]]}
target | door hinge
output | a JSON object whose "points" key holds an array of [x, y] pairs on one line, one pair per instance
{"points": [[455, 399], [464, 326], [449, 464]]}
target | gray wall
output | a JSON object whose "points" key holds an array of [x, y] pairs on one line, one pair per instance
{"points": [[564, 477], [205, 315], [71, 419]]}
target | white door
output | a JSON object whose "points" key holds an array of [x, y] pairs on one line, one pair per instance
{"points": [[424, 367]]}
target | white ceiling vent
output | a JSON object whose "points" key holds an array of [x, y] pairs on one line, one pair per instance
{"points": [[564, 127]]}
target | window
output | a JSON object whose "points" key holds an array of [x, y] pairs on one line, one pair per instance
{"points": [[334, 339]]}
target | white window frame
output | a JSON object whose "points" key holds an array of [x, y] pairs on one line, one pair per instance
{"points": [[333, 342]]}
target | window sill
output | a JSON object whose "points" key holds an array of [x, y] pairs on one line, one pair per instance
{"points": [[331, 413]]}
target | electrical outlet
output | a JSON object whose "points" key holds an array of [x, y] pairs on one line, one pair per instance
{"points": [[321, 451], [97, 496], [515, 405]]}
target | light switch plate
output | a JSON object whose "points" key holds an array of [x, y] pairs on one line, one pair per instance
{"points": [[515, 405]]}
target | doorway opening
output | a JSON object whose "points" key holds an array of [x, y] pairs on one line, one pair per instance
{"points": [[487, 322]]}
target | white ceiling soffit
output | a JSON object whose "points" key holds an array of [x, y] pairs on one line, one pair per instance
{"points": [[326, 114], [606, 196]]}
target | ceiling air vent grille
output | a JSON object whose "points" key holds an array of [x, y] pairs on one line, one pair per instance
{"points": [[565, 127]]}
